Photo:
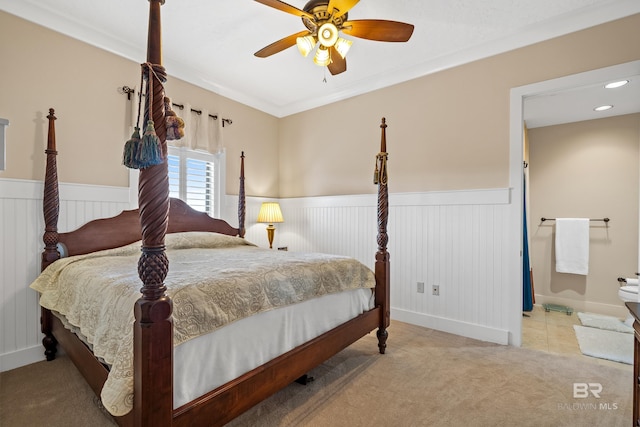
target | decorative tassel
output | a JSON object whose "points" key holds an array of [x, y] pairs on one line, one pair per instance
{"points": [[376, 174], [131, 148], [150, 152], [382, 179], [380, 173], [140, 153], [175, 125]]}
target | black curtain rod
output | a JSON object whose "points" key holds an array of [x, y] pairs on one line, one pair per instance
{"points": [[198, 112], [129, 91], [543, 219], [193, 110]]}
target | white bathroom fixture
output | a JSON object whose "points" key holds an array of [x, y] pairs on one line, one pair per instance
{"points": [[629, 293]]}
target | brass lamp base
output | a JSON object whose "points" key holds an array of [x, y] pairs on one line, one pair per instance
{"points": [[271, 230]]}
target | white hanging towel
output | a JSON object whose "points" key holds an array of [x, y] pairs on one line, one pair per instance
{"points": [[572, 245]]}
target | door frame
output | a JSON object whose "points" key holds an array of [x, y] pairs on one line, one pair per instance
{"points": [[518, 96]]}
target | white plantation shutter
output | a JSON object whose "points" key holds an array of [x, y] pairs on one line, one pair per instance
{"points": [[193, 179], [199, 179]]}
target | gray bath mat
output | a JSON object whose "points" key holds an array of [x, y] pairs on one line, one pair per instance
{"points": [[604, 322], [605, 344]]}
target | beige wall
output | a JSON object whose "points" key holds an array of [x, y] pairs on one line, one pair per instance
{"points": [[42, 69], [447, 131], [252, 131], [586, 169]]}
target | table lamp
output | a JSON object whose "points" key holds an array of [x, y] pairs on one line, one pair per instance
{"points": [[269, 213]]}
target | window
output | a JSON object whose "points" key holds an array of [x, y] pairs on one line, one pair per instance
{"points": [[196, 178]]}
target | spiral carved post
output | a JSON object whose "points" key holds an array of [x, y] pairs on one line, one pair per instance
{"points": [[241, 199], [153, 329], [50, 209], [382, 266]]}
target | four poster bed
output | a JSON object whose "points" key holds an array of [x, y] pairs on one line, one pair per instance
{"points": [[218, 377]]}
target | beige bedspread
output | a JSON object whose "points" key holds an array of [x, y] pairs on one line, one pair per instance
{"points": [[96, 293]]}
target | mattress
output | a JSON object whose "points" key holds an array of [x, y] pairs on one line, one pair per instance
{"points": [[211, 360]]}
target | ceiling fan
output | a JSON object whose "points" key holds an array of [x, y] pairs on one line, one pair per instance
{"points": [[324, 20]]}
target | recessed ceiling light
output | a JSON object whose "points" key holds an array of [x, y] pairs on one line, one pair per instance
{"points": [[614, 85], [603, 108]]}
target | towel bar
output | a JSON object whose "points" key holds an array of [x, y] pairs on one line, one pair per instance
{"points": [[543, 219]]}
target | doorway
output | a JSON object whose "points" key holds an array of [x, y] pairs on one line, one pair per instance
{"points": [[524, 100]]}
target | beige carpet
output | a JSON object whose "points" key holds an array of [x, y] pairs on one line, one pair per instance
{"points": [[427, 378]]}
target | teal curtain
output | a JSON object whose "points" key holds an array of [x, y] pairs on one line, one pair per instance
{"points": [[527, 299]]}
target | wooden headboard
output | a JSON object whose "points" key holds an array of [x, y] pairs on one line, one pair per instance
{"points": [[124, 228]]}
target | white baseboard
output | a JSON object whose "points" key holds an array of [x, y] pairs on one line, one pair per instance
{"points": [[22, 357], [457, 327]]}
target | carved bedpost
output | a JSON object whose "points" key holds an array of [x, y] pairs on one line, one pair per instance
{"points": [[50, 209], [153, 329], [241, 199], [51, 198], [382, 267]]}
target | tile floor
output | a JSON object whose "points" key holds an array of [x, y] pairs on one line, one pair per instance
{"points": [[553, 332]]}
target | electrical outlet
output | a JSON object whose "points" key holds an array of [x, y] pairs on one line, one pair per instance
{"points": [[421, 287], [435, 290]]}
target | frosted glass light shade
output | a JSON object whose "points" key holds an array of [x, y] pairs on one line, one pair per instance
{"points": [[342, 46], [305, 44], [322, 57]]}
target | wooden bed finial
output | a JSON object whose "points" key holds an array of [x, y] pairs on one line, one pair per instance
{"points": [[383, 142]]}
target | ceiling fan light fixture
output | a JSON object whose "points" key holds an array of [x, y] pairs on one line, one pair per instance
{"points": [[342, 46], [305, 44], [325, 21], [322, 57], [327, 34]]}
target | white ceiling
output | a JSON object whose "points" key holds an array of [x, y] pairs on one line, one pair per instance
{"points": [[210, 43], [575, 104]]}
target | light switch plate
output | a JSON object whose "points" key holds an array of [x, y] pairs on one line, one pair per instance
{"points": [[3, 150]]}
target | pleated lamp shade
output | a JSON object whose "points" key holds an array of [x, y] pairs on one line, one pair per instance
{"points": [[270, 212]]}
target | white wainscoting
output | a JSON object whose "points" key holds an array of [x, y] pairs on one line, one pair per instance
{"points": [[21, 229], [455, 239]]}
